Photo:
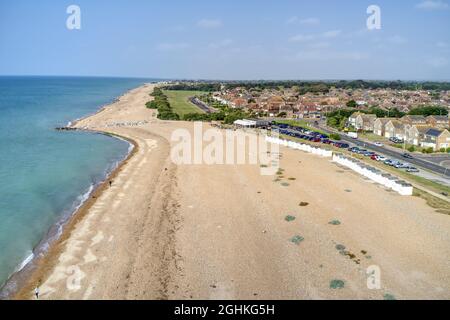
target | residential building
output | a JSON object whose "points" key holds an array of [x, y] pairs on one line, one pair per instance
{"points": [[394, 129], [438, 121], [436, 139], [415, 134], [414, 120], [365, 122], [379, 126], [352, 119]]}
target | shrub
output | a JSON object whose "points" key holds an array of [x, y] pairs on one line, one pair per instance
{"points": [[151, 105], [411, 149], [442, 150], [448, 150], [335, 136]]}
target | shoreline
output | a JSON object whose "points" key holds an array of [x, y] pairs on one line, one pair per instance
{"points": [[30, 271]]}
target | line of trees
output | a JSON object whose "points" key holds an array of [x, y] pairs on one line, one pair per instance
{"points": [[161, 103], [196, 86], [324, 86]]}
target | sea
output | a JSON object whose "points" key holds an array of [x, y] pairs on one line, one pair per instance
{"points": [[45, 175]]}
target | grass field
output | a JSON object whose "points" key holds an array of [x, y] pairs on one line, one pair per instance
{"points": [[179, 101]]}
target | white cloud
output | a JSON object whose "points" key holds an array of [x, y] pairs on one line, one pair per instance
{"points": [[315, 55], [301, 38], [308, 37], [221, 44], [310, 21], [397, 40], [172, 46], [307, 21], [433, 5], [332, 33], [292, 20], [319, 45], [210, 23], [437, 62]]}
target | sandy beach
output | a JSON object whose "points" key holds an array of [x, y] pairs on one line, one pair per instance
{"points": [[167, 231]]}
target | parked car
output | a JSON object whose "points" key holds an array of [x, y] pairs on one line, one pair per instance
{"points": [[378, 144], [399, 165], [412, 169], [381, 158], [396, 140], [407, 156]]}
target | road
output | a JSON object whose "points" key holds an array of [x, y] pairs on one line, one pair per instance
{"points": [[202, 105], [415, 161]]}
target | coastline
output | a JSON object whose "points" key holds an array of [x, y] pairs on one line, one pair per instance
{"points": [[32, 268], [165, 231]]}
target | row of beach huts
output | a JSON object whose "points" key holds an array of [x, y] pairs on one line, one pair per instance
{"points": [[385, 179]]}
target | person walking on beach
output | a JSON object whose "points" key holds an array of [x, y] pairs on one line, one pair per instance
{"points": [[36, 292], [110, 183]]}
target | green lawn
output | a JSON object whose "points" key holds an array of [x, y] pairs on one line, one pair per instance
{"points": [[373, 137], [179, 101]]}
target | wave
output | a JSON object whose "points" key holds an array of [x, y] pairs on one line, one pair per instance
{"points": [[23, 264], [56, 230]]}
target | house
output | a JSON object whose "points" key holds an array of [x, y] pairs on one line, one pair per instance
{"points": [[352, 119], [379, 126], [438, 121], [365, 122], [436, 139], [239, 103], [414, 120], [394, 129], [415, 134], [274, 104]]}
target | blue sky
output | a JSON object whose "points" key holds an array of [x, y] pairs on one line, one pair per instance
{"points": [[227, 39]]}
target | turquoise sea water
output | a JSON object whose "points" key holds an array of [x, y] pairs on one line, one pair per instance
{"points": [[44, 173]]}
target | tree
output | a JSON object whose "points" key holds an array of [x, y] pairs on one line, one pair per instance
{"points": [[351, 104], [429, 111]]}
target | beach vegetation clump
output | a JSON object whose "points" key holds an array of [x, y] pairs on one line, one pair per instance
{"points": [[289, 218], [389, 296], [297, 239], [334, 222], [337, 284]]}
